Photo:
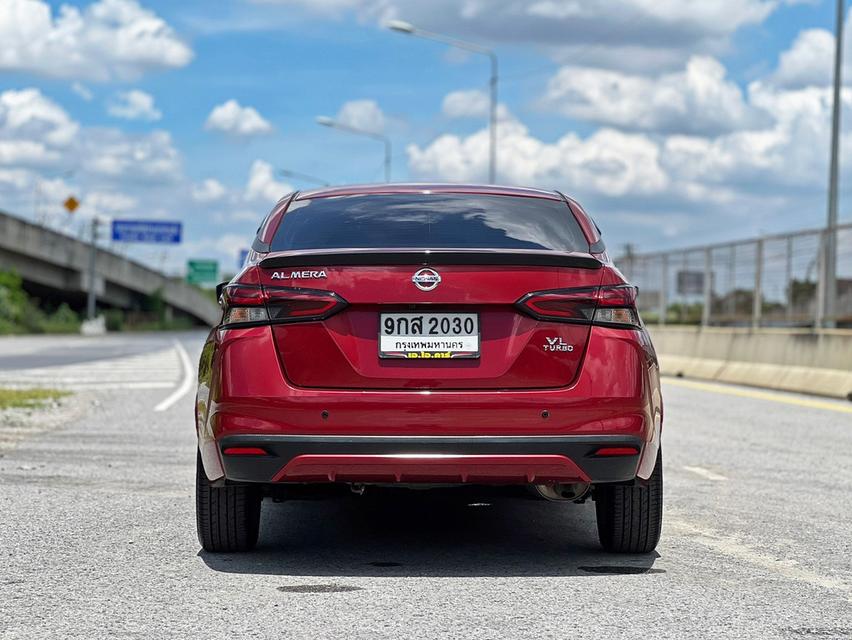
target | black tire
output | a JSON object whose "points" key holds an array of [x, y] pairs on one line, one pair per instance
{"points": [[630, 518], [228, 517]]}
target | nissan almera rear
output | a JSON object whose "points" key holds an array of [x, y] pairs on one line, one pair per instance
{"points": [[411, 335]]}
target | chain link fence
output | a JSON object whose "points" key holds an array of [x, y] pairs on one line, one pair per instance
{"points": [[773, 281]]}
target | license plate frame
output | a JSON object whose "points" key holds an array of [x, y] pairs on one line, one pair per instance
{"points": [[436, 346]]}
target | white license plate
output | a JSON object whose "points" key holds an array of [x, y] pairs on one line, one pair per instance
{"points": [[428, 336]]}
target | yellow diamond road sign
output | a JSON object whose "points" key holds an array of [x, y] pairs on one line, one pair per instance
{"points": [[71, 204]]}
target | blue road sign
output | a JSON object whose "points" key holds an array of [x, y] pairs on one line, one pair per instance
{"points": [[152, 231], [242, 259]]}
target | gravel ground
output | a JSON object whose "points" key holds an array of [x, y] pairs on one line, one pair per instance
{"points": [[97, 540], [18, 423]]}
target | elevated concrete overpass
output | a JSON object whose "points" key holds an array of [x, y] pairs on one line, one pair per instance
{"points": [[55, 266]]}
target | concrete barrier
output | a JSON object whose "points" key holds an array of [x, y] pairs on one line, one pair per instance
{"points": [[803, 360]]}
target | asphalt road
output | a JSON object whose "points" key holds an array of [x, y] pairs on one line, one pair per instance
{"points": [[97, 535]]}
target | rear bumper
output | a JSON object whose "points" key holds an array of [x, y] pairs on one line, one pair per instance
{"points": [[412, 459]]}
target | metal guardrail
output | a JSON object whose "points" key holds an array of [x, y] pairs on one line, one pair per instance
{"points": [[771, 281]]}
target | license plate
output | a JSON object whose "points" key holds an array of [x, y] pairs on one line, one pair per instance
{"points": [[429, 336]]}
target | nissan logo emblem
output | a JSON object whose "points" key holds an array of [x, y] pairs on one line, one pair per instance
{"points": [[426, 279]]}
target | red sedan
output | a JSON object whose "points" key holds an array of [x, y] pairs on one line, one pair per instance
{"points": [[429, 334]]}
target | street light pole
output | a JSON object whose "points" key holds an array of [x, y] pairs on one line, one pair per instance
{"points": [[492, 156], [830, 253], [407, 28], [334, 124], [287, 173]]}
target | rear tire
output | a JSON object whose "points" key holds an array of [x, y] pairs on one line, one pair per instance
{"points": [[227, 517], [630, 518]]}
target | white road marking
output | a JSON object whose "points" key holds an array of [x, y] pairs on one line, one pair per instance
{"points": [[733, 548], [121, 385], [705, 473], [160, 369], [185, 386]]}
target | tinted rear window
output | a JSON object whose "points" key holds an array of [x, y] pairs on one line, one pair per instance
{"points": [[430, 221]]}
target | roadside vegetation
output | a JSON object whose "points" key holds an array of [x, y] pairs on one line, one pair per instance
{"points": [[28, 398], [22, 314], [152, 316]]}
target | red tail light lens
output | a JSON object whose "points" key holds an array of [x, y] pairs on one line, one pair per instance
{"points": [[244, 290], [247, 302], [608, 305], [299, 305], [240, 295], [618, 296], [564, 305]]}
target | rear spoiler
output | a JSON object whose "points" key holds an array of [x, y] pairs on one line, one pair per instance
{"points": [[426, 257]]}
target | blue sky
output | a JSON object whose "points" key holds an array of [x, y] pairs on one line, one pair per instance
{"points": [[674, 126]]}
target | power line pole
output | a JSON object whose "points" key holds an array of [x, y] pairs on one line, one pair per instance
{"points": [[93, 256], [830, 253]]}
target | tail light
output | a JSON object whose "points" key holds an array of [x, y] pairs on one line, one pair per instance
{"points": [[247, 302], [608, 305]]}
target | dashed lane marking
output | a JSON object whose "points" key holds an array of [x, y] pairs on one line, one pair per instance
{"points": [[706, 473], [735, 548]]}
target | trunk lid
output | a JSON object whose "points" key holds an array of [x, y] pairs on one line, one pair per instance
{"points": [[342, 351]]}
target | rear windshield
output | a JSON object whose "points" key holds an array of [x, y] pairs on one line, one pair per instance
{"points": [[429, 221]]}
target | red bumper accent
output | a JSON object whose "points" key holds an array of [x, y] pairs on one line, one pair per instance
{"points": [[431, 468]]}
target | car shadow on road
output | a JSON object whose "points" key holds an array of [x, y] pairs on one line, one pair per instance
{"points": [[416, 533]]}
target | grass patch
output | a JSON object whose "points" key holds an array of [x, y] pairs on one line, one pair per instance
{"points": [[28, 398]]}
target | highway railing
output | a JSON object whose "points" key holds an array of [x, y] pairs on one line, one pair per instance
{"points": [[771, 281]]}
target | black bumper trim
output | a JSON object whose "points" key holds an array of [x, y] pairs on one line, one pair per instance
{"points": [[282, 449]]}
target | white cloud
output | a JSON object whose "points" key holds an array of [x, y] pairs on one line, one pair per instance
{"points": [[108, 39], [808, 61], [33, 129], [232, 118], [13, 179], [608, 162], [48, 194], [247, 215], [262, 187], [791, 154], [321, 6], [134, 105], [698, 100], [471, 103], [29, 113], [228, 244], [116, 156], [82, 90], [764, 175], [108, 202], [613, 33], [27, 152], [208, 190], [362, 114]]}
